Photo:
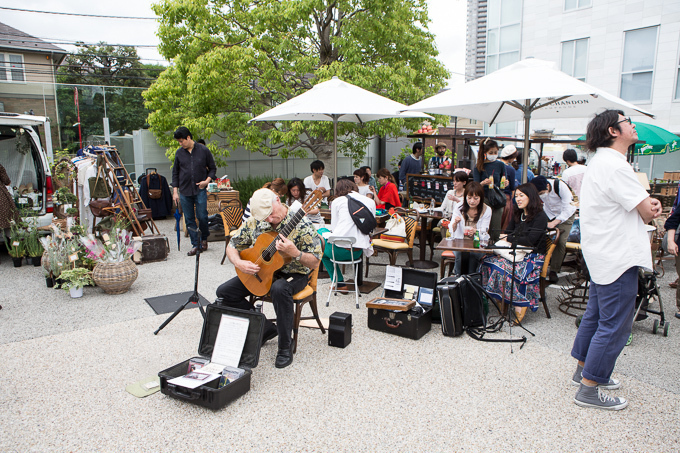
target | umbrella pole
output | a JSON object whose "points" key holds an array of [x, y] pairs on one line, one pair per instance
{"points": [[335, 150], [525, 151]]}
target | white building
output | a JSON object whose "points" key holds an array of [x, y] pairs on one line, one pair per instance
{"points": [[630, 48]]}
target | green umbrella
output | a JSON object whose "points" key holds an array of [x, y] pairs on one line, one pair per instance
{"points": [[657, 140]]}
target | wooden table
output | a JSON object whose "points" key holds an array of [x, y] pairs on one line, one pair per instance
{"points": [[461, 245], [422, 263]]}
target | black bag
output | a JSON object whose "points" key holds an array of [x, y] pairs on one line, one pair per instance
{"points": [[363, 218], [461, 299], [495, 197]]}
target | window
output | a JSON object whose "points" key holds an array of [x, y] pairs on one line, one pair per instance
{"points": [[677, 83], [503, 35], [575, 4], [12, 68], [575, 58], [637, 73]]}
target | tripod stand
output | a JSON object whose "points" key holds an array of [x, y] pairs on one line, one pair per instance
{"points": [[193, 299]]}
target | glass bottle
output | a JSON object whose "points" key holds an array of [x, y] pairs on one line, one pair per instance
{"points": [[475, 240]]}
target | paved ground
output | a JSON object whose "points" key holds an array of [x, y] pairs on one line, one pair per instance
{"points": [[68, 362]]}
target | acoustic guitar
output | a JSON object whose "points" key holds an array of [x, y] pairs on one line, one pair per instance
{"points": [[264, 253]]}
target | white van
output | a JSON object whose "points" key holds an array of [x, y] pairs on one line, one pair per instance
{"points": [[26, 161]]}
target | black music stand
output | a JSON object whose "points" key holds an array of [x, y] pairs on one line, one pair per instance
{"points": [[193, 299]]}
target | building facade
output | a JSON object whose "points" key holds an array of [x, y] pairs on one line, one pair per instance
{"points": [[629, 48], [27, 75]]}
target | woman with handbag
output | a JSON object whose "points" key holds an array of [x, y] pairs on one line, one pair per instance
{"points": [[469, 216], [388, 196], [527, 228], [490, 173]]}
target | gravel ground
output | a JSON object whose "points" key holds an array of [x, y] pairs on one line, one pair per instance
{"points": [[381, 393]]}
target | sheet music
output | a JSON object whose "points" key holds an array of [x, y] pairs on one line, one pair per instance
{"points": [[393, 278], [231, 336]]}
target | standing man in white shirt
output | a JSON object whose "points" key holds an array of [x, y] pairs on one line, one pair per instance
{"points": [[614, 210], [557, 205], [573, 175], [317, 180]]}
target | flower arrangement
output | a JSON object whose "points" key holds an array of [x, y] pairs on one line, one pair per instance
{"points": [[115, 246]]}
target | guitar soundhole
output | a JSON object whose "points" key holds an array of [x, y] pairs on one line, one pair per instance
{"points": [[266, 255]]}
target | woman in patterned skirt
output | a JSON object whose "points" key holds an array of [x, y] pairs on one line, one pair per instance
{"points": [[527, 228]]}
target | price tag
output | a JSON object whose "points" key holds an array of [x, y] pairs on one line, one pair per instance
{"points": [[60, 264], [23, 200], [73, 257], [105, 237], [16, 244], [113, 246]]}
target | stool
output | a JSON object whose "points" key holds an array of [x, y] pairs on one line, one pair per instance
{"points": [[347, 243], [448, 257]]}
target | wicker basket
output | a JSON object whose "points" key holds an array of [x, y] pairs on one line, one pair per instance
{"points": [[115, 278]]}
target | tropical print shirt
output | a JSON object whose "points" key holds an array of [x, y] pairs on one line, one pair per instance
{"points": [[304, 236]]}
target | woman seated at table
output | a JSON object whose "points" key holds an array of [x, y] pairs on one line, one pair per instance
{"points": [[343, 225], [361, 179], [296, 192], [469, 216], [455, 195], [527, 228], [388, 195]]}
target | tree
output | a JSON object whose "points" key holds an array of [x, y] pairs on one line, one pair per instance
{"points": [[234, 59], [95, 69]]}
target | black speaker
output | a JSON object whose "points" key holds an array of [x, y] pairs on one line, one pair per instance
{"points": [[339, 329]]}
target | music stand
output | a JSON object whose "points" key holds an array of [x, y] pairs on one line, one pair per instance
{"points": [[193, 299]]}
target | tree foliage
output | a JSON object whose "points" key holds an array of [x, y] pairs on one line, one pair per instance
{"points": [[97, 69], [234, 59]]}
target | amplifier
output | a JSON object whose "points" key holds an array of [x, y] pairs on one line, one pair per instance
{"points": [[339, 329]]}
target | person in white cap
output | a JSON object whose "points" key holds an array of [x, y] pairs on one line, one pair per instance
{"points": [[302, 247]]}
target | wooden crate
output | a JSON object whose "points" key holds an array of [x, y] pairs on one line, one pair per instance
{"points": [[669, 190]]}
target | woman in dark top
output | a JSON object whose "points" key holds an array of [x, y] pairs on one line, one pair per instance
{"points": [[508, 155], [488, 172], [527, 228]]}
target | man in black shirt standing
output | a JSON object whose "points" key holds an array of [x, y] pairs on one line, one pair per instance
{"points": [[193, 169]]}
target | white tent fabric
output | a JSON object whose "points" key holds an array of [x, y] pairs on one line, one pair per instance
{"points": [[335, 100], [526, 90]]}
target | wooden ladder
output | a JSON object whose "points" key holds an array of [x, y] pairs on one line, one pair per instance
{"points": [[125, 194]]}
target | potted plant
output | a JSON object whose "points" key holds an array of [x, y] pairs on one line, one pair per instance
{"points": [[74, 280], [34, 248], [64, 199], [16, 246], [71, 214]]}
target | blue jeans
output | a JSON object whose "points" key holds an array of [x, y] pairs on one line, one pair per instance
{"points": [[200, 202], [606, 325]]}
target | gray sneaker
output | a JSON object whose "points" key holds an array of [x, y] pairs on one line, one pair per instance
{"points": [[595, 397], [613, 384]]}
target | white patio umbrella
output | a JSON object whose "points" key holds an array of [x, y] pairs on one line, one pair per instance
{"points": [[335, 100], [528, 89]]}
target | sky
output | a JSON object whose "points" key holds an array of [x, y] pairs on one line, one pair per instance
{"points": [[447, 16]]}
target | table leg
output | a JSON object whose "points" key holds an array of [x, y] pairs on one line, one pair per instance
{"points": [[423, 263]]}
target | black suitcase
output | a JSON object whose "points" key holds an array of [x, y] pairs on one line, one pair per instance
{"points": [[155, 247], [210, 395], [413, 323], [450, 306]]}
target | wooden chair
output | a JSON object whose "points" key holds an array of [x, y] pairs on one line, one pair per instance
{"points": [[394, 248], [232, 217], [552, 236], [307, 295]]}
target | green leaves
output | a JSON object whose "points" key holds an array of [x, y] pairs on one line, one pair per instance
{"points": [[235, 59]]}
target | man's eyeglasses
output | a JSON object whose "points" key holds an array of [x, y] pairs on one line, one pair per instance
{"points": [[625, 120]]}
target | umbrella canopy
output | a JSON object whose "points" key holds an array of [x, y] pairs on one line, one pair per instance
{"points": [[335, 100], [657, 140], [178, 216], [528, 89]]}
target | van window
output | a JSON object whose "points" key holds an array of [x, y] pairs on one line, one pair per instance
{"points": [[20, 158]]}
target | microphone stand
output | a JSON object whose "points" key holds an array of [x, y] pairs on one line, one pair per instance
{"points": [[195, 298]]}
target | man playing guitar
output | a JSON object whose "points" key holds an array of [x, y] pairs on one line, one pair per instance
{"points": [[302, 248]]}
